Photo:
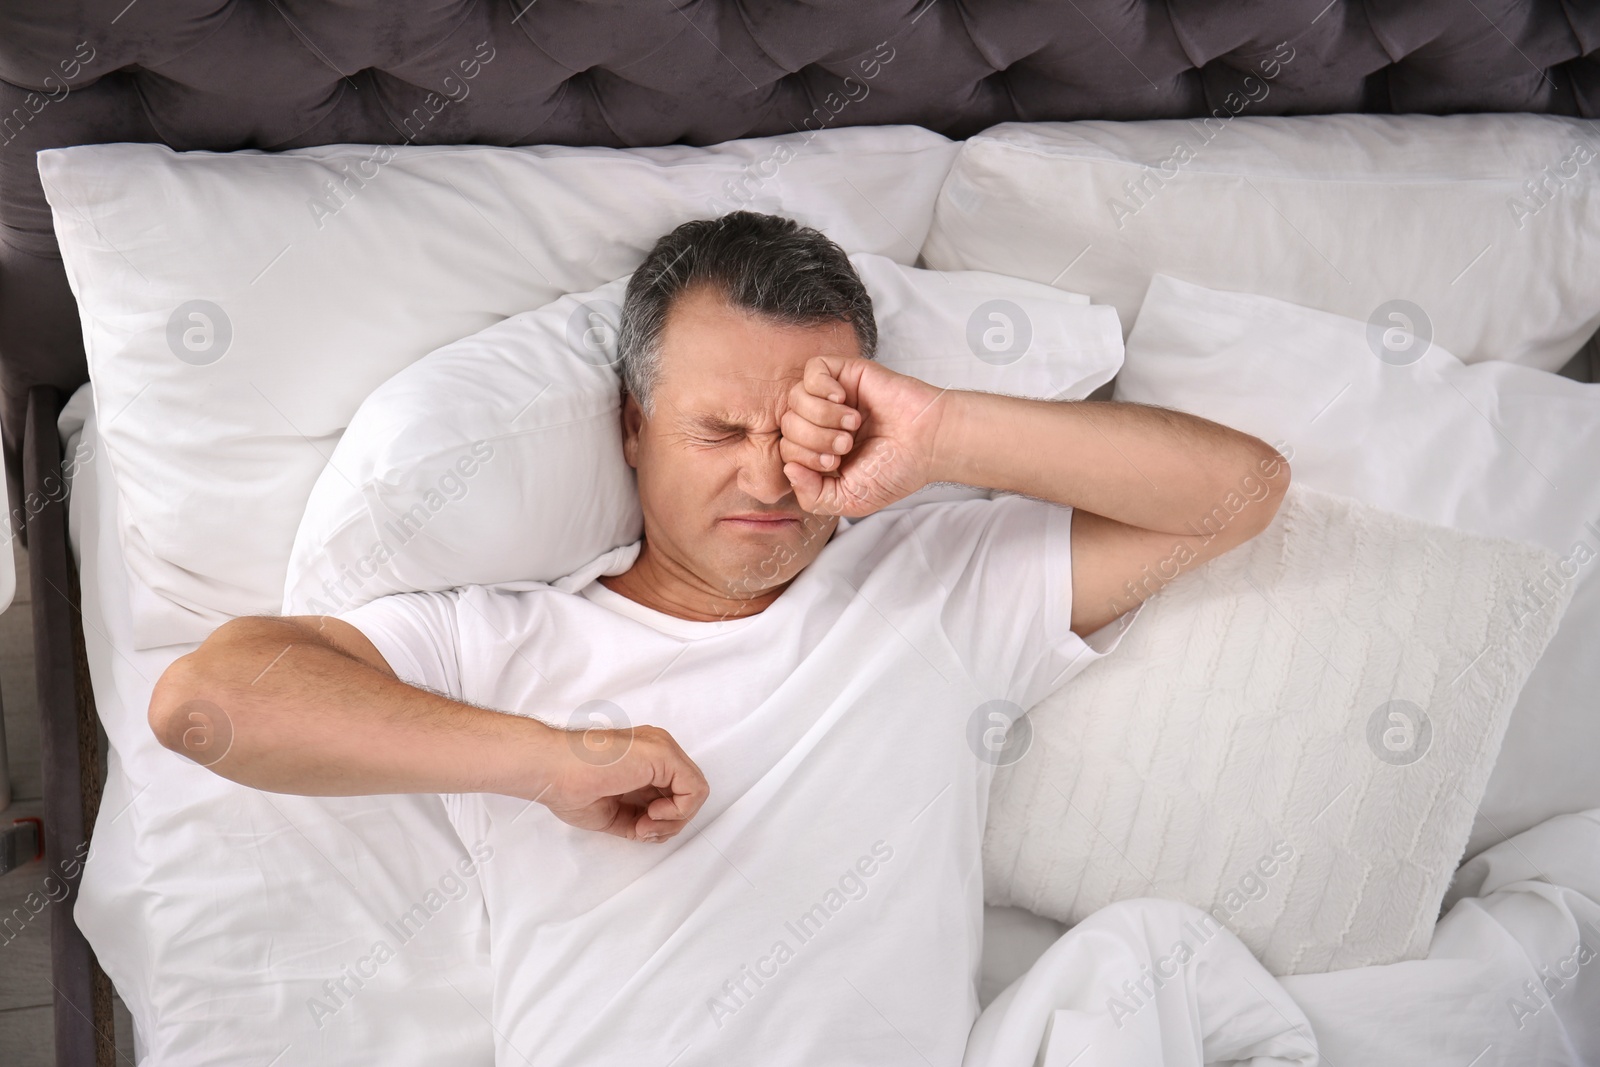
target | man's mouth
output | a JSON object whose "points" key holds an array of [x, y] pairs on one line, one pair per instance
{"points": [[756, 521]]}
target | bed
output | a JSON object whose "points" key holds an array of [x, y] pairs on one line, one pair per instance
{"points": [[276, 78]]}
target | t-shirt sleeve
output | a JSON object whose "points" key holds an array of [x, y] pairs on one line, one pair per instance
{"points": [[417, 635], [1004, 569]]}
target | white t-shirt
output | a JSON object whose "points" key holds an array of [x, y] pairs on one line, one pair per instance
{"points": [[825, 906]]}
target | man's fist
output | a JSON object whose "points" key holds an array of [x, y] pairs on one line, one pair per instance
{"points": [[857, 436], [635, 783]]}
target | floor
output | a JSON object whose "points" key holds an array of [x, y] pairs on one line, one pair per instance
{"points": [[26, 1035]]}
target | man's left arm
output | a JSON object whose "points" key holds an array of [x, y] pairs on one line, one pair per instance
{"points": [[1154, 491]]}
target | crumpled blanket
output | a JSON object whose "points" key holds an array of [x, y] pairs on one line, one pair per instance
{"points": [[1143, 983], [1512, 979]]}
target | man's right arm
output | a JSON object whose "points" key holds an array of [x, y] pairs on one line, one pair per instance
{"points": [[307, 705]]}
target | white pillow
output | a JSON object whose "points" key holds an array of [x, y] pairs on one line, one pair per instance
{"points": [[1292, 738], [1487, 223], [1491, 448], [499, 457], [238, 307]]}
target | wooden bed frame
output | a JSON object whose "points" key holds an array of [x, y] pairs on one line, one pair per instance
{"points": [[275, 76], [69, 738]]}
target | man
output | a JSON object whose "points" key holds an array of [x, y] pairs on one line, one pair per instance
{"points": [[835, 671]]}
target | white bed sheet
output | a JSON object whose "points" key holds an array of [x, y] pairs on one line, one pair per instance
{"points": [[239, 926], [1512, 977]]}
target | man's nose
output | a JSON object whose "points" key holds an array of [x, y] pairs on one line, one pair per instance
{"points": [[761, 474]]}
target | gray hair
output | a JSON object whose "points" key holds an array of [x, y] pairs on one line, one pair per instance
{"points": [[767, 264]]}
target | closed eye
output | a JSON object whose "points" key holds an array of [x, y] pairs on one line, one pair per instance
{"points": [[731, 435], [712, 431]]}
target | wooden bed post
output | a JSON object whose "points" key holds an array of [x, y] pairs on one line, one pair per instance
{"points": [[69, 739]]}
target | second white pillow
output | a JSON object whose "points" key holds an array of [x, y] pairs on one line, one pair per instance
{"points": [[499, 457], [1481, 224]]}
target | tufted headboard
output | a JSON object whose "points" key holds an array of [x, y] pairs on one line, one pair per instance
{"points": [[279, 74]]}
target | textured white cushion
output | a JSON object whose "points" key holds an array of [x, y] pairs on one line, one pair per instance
{"points": [[1486, 222], [499, 457], [1492, 448], [238, 307], [1242, 751]]}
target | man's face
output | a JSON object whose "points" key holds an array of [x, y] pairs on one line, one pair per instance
{"points": [[708, 459]]}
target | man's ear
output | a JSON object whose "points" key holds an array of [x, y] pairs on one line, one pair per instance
{"points": [[632, 424]]}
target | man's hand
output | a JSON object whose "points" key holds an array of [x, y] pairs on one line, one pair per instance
{"points": [[857, 436], [635, 783]]}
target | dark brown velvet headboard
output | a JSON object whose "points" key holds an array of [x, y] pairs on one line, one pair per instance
{"points": [[278, 74]]}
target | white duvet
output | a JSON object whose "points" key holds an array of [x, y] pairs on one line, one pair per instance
{"points": [[1511, 979], [1143, 982]]}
